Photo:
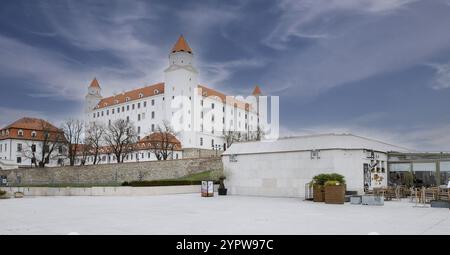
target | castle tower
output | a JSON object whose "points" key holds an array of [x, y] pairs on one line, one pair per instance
{"points": [[257, 93], [93, 96], [181, 81]]}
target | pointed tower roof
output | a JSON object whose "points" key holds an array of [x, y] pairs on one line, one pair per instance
{"points": [[256, 91], [94, 83], [181, 45]]}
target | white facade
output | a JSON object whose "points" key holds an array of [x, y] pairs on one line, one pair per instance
{"points": [[283, 168], [199, 114], [135, 156], [16, 153]]}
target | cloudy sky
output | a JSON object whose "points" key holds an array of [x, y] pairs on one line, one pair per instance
{"points": [[377, 68]]}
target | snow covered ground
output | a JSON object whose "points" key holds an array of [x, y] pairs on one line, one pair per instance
{"points": [[192, 214]]}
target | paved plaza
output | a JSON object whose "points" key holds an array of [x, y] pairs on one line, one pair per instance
{"points": [[192, 214]]}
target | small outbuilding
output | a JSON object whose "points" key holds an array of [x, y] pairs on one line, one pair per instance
{"points": [[283, 168]]}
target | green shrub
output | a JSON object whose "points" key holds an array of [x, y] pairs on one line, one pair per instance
{"points": [[333, 183], [321, 179], [162, 183]]}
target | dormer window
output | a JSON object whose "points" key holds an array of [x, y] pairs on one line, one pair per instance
{"points": [[20, 132], [105, 104], [141, 95], [127, 99], [116, 101], [155, 91], [205, 94], [33, 133]]}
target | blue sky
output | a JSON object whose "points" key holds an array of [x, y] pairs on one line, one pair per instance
{"points": [[377, 68]]}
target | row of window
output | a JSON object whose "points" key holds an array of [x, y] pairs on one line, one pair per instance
{"points": [[131, 156], [20, 133], [124, 108]]}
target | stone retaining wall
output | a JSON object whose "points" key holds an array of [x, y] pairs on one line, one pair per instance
{"points": [[111, 173]]}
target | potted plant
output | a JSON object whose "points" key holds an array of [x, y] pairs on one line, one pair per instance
{"points": [[3, 194], [318, 187], [222, 190]]}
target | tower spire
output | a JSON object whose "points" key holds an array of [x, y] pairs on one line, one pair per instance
{"points": [[181, 45], [94, 83]]}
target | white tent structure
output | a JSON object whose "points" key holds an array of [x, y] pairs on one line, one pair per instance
{"points": [[284, 167]]}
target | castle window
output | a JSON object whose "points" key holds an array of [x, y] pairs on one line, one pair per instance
{"points": [[116, 101], [19, 147], [127, 99], [153, 127], [153, 115], [212, 105], [102, 113], [139, 105], [201, 141], [139, 130], [128, 118], [141, 95], [153, 102], [33, 133], [155, 91], [132, 106], [107, 112], [118, 109], [145, 103], [123, 108], [93, 115], [20, 132], [98, 114], [33, 148], [112, 111], [139, 117]]}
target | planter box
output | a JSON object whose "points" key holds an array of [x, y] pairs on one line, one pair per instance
{"points": [[318, 194], [372, 200], [335, 194], [440, 204], [355, 200]]}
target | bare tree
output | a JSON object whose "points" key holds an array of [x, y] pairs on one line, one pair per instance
{"points": [[72, 133], [120, 137], [231, 137], [94, 138], [51, 141], [163, 141], [84, 151]]}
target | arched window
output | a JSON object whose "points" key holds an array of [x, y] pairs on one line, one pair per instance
{"points": [[33, 133], [127, 99], [20, 132], [141, 95], [155, 91]]}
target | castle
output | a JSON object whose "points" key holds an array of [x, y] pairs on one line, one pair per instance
{"points": [[200, 115]]}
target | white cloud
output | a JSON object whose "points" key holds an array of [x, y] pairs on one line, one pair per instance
{"points": [[369, 45], [310, 18], [442, 76]]}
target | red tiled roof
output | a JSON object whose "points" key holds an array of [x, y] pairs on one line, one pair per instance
{"points": [[94, 83], [181, 45], [147, 91], [31, 129], [256, 91], [207, 92]]}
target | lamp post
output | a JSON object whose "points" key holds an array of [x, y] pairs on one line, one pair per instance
{"points": [[216, 147]]}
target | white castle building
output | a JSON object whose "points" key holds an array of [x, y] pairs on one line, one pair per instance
{"points": [[201, 116]]}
